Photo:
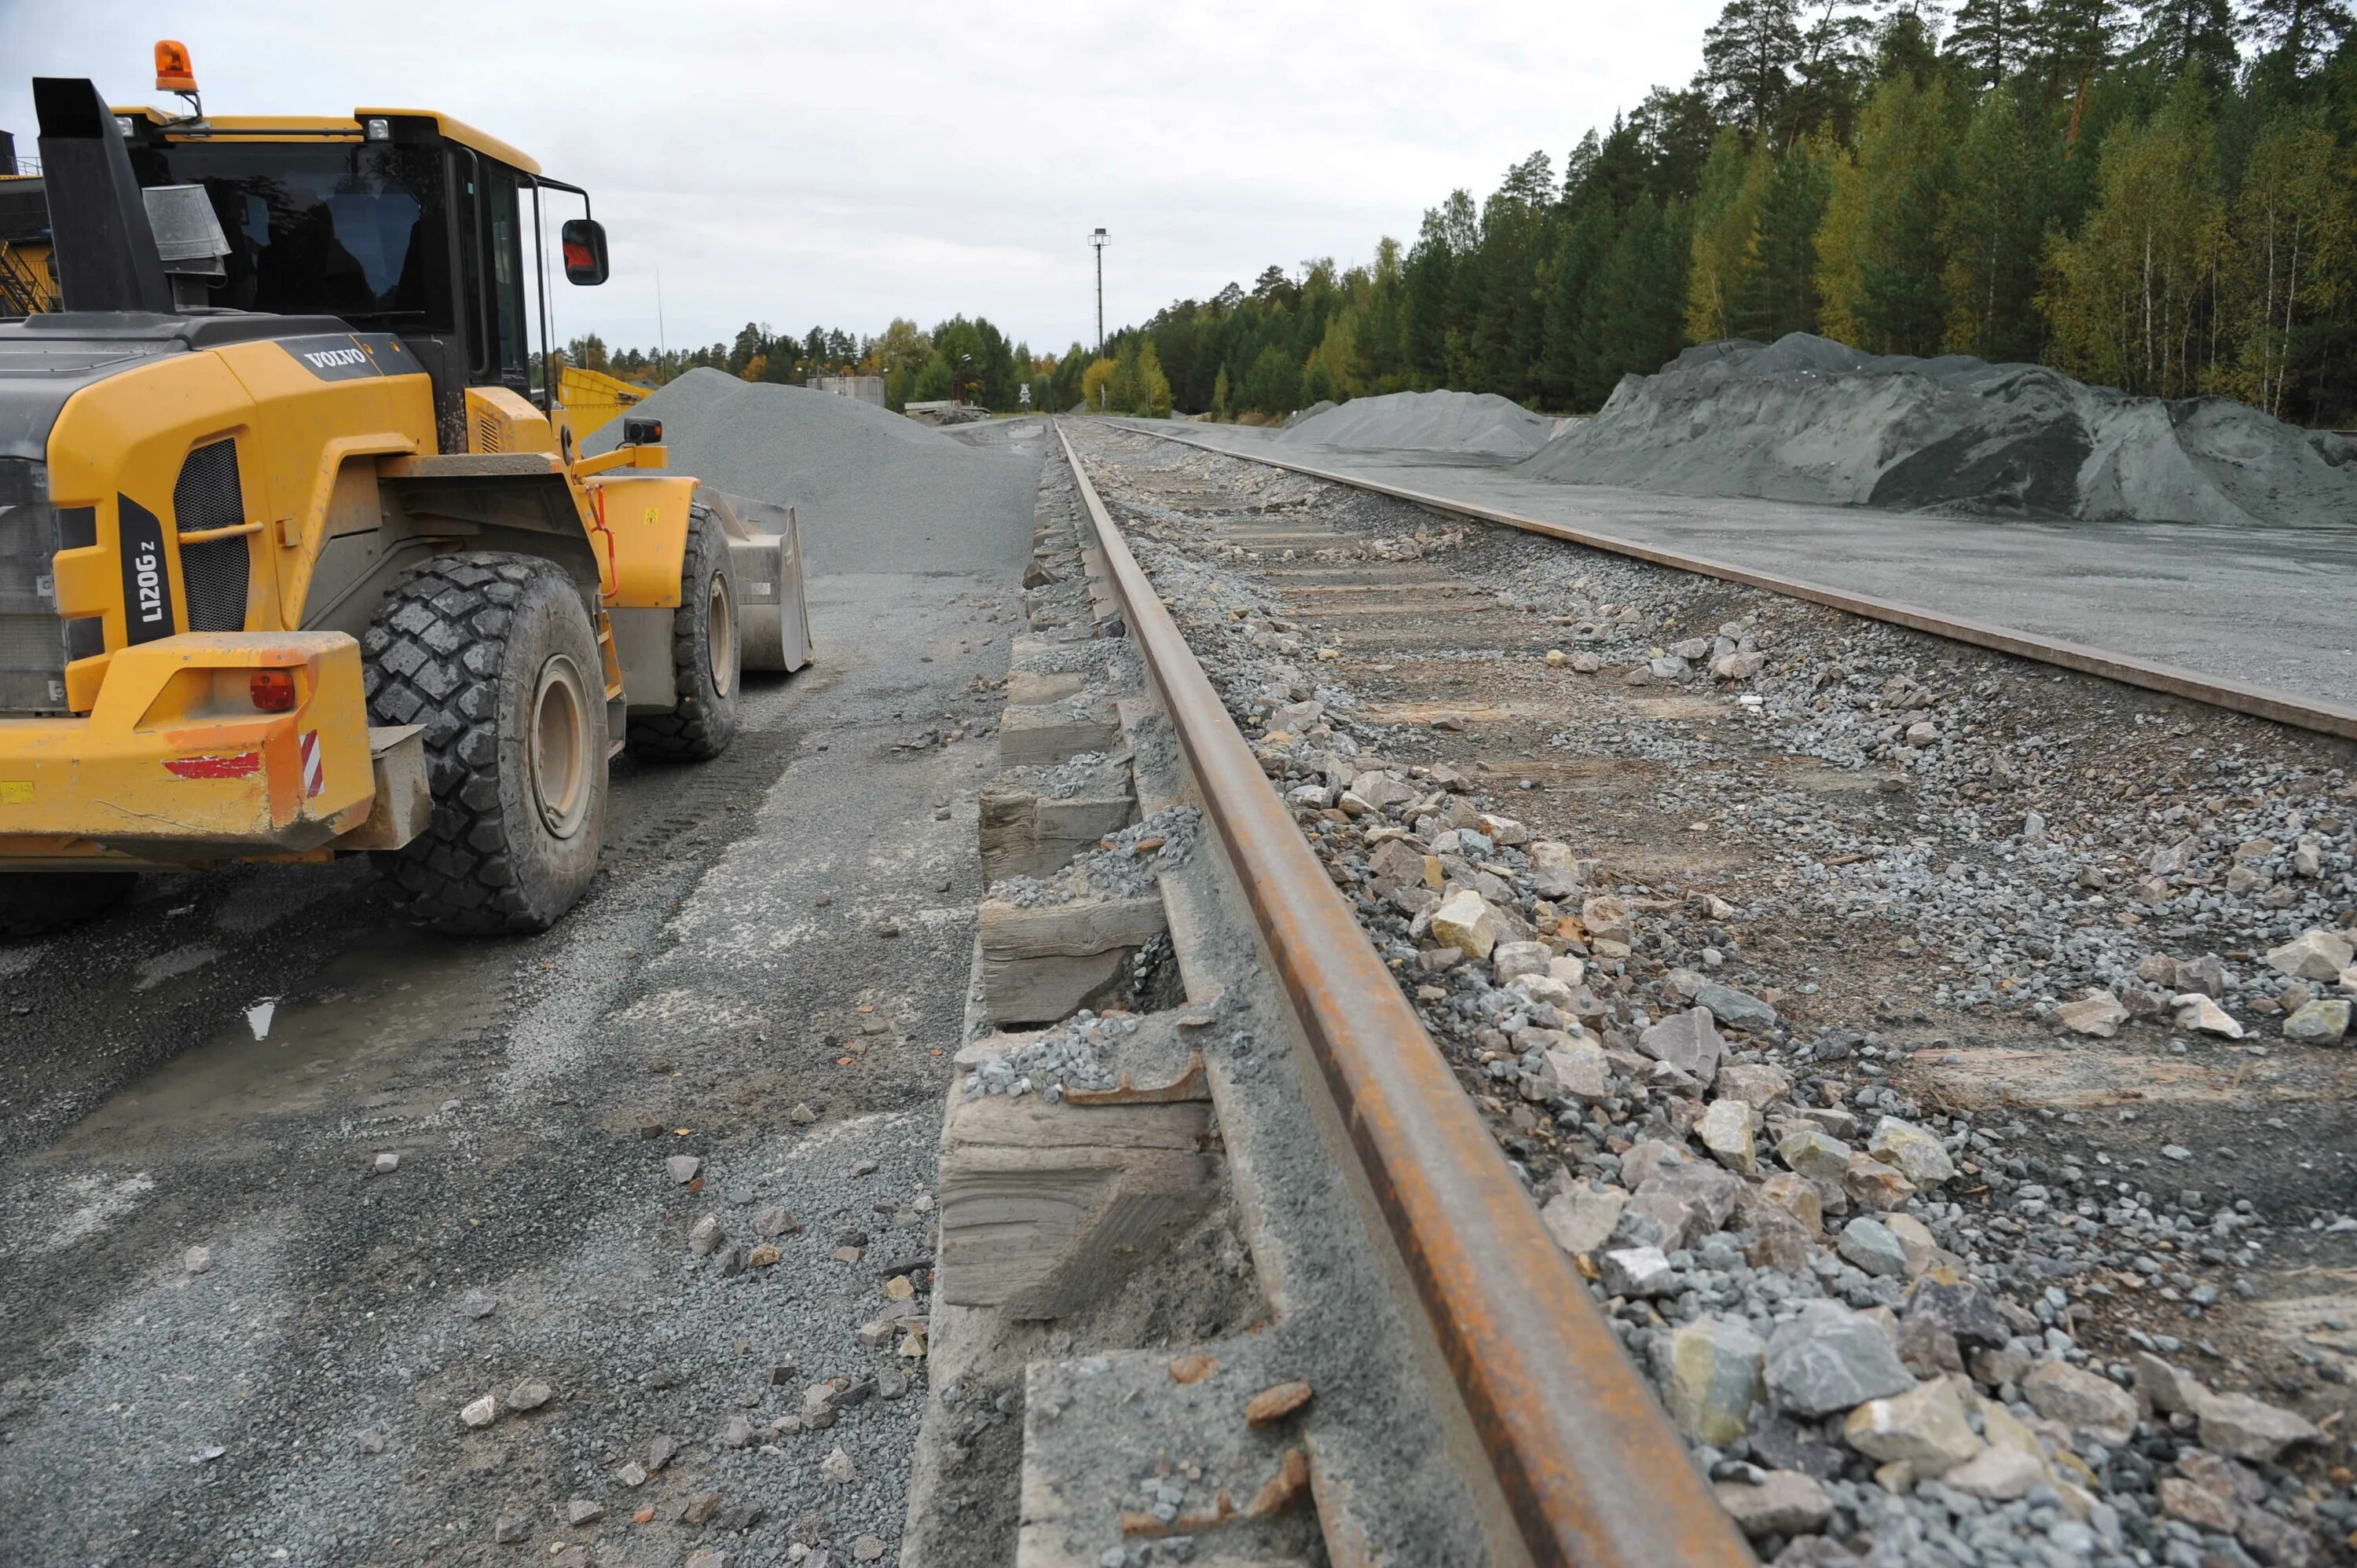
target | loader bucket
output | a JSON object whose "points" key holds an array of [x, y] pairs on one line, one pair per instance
{"points": [[765, 549]]}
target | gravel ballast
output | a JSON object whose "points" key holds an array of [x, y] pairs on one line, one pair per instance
{"points": [[1762, 935]]}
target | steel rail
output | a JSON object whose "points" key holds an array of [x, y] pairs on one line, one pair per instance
{"points": [[1587, 1460], [2316, 714]]}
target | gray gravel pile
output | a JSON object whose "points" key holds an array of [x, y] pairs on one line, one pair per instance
{"points": [[1426, 421], [1877, 1320], [1076, 1054], [1807, 419], [1124, 868], [868, 485]]}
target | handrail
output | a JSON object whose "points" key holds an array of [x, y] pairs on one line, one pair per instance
{"points": [[1594, 1473]]}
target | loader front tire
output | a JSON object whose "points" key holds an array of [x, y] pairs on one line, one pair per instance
{"points": [[493, 653], [708, 662], [35, 903]]}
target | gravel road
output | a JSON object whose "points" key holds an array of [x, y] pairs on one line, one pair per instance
{"points": [[293, 1196]]}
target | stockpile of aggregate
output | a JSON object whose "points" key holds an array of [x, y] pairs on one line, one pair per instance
{"points": [[874, 491], [1807, 419], [1427, 422]]}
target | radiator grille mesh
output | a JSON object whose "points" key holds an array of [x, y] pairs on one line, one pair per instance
{"points": [[32, 638], [213, 571]]}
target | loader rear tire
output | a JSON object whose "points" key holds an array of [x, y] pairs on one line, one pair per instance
{"points": [[35, 903], [494, 655], [708, 660]]}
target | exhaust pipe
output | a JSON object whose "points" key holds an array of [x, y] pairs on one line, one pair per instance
{"points": [[98, 221]]}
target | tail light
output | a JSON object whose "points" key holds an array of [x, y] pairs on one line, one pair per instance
{"points": [[273, 691]]}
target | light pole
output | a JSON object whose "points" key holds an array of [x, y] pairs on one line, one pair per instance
{"points": [[1098, 240]]}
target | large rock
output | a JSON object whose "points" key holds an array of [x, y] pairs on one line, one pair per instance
{"points": [[1688, 1041], [1580, 1069], [2165, 1388], [2082, 1400], [1637, 1273], [1925, 1428], [1873, 1184], [1509, 961], [1784, 1502], [1973, 1317], [1555, 872], [1710, 1378], [1796, 1195], [1581, 1217], [2195, 1011], [1869, 1245], [1687, 1201], [1738, 666], [2098, 1013], [1757, 1084], [1398, 863], [2242, 1427], [1725, 1130], [1606, 920], [1914, 1151], [1916, 1241], [1831, 1359], [2323, 1022], [1998, 1474], [1735, 1009], [1466, 922], [2318, 954], [1815, 1154]]}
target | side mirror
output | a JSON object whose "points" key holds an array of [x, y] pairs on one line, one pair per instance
{"points": [[584, 251]]}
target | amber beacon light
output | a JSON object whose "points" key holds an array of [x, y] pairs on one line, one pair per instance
{"points": [[173, 72]]}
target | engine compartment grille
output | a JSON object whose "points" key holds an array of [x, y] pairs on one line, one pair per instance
{"points": [[213, 571], [32, 637]]}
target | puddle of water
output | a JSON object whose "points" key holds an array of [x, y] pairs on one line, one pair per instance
{"points": [[375, 1003]]}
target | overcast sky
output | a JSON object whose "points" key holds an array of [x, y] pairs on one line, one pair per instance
{"points": [[843, 164]]}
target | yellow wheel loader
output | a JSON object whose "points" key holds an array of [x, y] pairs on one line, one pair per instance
{"points": [[293, 565]]}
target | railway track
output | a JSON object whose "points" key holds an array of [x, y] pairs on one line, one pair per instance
{"points": [[1785, 1073]]}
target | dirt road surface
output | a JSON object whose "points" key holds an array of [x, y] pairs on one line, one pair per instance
{"points": [[285, 1185]]}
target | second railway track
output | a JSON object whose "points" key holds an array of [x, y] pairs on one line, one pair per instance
{"points": [[1933, 1060]]}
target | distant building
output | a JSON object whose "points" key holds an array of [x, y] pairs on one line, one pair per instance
{"points": [[866, 389]]}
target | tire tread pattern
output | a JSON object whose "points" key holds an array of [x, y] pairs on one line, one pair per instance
{"points": [[695, 730], [433, 656]]}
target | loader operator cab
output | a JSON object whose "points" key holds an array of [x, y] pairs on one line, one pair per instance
{"points": [[407, 222], [291, 567]]}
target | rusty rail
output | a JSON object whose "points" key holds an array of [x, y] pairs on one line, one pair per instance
{"points": [[1593, 1471], [2315, 714]]}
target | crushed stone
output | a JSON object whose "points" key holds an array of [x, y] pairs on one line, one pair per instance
{"points": [[867, 485], [1428, 422], [1807, 419]]}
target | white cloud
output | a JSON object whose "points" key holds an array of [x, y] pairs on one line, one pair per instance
{"points": [[799, 163]]}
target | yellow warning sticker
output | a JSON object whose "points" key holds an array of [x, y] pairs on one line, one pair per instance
{"points": [[15, 792]]}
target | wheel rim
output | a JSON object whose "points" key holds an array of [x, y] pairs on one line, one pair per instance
{"points": [[720, 636], [562, 777]]}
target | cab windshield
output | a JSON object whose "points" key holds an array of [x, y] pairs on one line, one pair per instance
{"points": [[355, 229]]}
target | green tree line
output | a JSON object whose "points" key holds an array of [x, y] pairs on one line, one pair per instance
{"points": [[969, 360], [2160, 197]]}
